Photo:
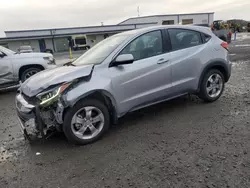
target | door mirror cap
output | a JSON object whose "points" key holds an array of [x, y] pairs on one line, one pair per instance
{"points": [[123, 60]]}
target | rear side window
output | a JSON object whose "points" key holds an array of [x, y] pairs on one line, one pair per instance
{"points": [[205, 37], [182, 38]]}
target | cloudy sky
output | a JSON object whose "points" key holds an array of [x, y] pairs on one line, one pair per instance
{"points": [[35, 14]]}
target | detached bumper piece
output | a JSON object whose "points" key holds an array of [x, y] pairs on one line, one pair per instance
{"points": [[27, 124], [29, 118]]}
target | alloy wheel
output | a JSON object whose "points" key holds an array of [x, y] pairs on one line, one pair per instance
{"points": [[30, 73], [87, 122], [214, 85]]}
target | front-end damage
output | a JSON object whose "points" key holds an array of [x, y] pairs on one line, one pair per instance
{"points": [[42, 115]]}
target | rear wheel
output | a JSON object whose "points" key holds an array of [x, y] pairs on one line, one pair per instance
{"points": [[86, 122], [29, 72], [212, 86]]}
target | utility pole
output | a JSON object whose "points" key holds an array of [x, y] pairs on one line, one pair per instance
{"points": [[138, 11]]}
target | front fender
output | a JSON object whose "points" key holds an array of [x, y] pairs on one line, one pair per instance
{"points": [[86, 88]]}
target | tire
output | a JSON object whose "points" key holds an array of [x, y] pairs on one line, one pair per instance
{"points": [[204, 87], [69, 128], [29, 72]]}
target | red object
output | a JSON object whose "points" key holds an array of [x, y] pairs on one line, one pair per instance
{"points": [[225, 45], [230, 33]]}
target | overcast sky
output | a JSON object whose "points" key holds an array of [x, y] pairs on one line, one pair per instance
{"points": [[37, 14]]}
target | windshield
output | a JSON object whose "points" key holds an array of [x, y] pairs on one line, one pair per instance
{"points": [[101, 51], [6, 50]]}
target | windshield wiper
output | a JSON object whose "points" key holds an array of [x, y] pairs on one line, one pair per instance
{"points": [[70, 63]]}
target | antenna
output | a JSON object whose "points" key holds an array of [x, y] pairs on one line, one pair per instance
{"points": [[138, 11]]}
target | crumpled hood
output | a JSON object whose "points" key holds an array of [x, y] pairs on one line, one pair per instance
{"points": [[47, 78]]}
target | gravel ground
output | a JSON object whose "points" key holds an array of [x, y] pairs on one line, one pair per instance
{"points": [[180, 143]]}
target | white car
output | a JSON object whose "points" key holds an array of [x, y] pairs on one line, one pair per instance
{"points": [[16, 67]]}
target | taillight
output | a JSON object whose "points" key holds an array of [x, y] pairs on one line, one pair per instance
{"points": [[225, 45]]}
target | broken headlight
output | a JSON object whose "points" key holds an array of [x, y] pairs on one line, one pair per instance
{"points": [[51, 60], [52, 95]]}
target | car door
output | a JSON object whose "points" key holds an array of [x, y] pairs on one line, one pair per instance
{"points": [[187, 49], [148, 79], [6, 69]]}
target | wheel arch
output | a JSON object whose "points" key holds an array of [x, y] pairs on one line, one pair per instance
{"points": [[219, 65], [25, 67], [103, 96]]}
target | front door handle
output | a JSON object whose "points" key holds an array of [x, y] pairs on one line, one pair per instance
{"points": [[162, 60]]}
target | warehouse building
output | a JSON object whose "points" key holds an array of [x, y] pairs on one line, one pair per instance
{"points": [[59, 40]]}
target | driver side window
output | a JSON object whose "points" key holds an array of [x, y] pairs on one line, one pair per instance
{"points": [[145, 46]]}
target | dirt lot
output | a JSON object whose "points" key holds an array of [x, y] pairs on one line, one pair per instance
{"points": [[181, 143]]}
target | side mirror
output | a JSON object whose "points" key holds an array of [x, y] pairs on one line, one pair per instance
{"points": [[123, 60]]}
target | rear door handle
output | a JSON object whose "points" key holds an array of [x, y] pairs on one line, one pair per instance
{"points": [[162, 60]]}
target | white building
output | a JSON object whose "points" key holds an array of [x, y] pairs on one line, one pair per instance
{"points": [[58, 39], [196, 18]]}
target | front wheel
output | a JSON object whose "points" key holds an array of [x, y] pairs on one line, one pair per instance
{"points": [[28, 73], [212, 86], [86, 122]]}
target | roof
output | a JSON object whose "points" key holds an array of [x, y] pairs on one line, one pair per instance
{"points": [[22, 38], [61, 32], [161, 15], [63, 28]]}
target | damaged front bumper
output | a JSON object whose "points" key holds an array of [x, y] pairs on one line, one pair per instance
{"points": [[31, 119]]}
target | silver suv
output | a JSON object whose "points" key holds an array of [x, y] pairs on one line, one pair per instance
{"points": [[123, 73]]}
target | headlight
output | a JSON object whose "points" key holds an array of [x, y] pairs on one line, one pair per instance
{"points": [[52, 95], [51, 60]]}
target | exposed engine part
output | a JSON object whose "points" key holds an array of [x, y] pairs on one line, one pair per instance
{"points": [[48, 118]]}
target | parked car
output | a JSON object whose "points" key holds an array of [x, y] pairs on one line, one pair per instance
{"points": [[16, 67], [81, 47], [123, 73], [25, 49]]}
